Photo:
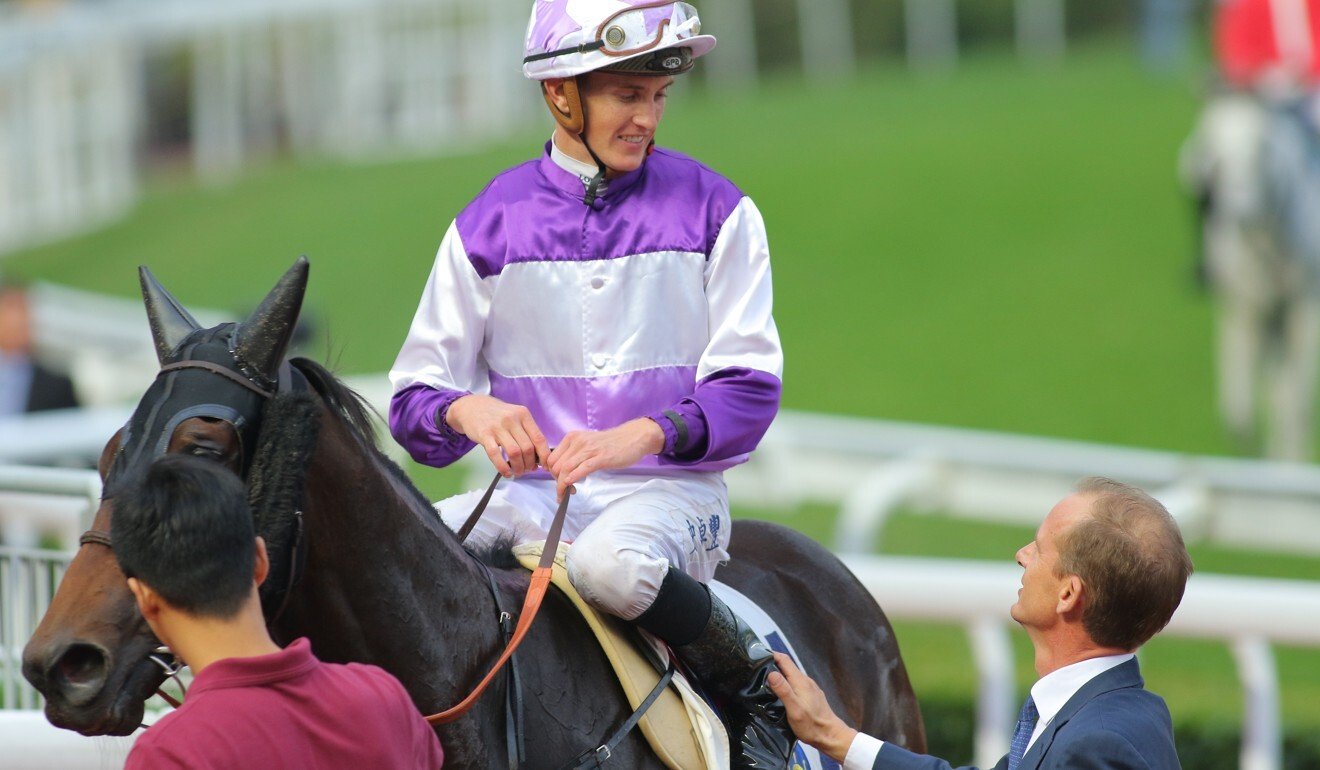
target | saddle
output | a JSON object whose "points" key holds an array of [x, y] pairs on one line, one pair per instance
{"points": [[680, 726]]}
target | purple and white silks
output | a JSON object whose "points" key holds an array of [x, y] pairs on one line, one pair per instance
{"points": [[657, 299]]}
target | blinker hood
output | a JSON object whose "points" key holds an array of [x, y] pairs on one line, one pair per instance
{"points": [[183, 393]]}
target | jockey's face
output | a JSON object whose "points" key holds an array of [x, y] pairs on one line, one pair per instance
{"points": [[623, 113]]}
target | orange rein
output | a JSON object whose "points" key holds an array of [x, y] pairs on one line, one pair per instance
{"points": [[531, 604]]}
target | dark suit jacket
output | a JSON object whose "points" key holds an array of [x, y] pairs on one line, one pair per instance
{"points": [[49, 390], [1113, 722]]}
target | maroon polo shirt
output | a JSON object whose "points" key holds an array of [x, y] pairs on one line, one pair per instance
{"points": [[290, 710]]}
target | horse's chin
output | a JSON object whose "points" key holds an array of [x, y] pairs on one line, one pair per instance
{"points": [[116, 712]]}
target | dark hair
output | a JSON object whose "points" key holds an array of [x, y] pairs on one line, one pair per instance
{"points": [[183, 527], [1132, 560]]}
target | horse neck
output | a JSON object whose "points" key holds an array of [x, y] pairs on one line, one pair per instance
{"points": [[385, 581]]}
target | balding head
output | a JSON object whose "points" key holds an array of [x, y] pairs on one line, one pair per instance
{"points": [[1129, 554]]}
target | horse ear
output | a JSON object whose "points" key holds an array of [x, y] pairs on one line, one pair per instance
{"points": [[261, 340], [170, 323]]}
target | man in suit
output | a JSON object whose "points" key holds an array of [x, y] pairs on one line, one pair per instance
{"points": [[1104, 574], [25, 384]]}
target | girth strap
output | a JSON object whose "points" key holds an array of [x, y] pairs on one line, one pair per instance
{"points": [[598, 756]]}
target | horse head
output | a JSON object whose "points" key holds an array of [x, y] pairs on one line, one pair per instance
{"points": [[90, 656]]}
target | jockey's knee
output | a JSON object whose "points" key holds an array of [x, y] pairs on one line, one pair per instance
{"points": [[620, 581]]}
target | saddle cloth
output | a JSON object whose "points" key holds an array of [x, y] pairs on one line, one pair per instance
{"points": [[680, 726]]}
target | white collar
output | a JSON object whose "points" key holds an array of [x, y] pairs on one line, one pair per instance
{"points": [[584, 171], [1055, 689]]}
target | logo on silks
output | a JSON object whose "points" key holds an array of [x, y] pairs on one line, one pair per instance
{"points": [[804, 756]]}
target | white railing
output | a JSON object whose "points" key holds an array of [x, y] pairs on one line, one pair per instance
{"points": [[1248, 614], [870, 468], [348, 78], [55, 503], [28, 578]]}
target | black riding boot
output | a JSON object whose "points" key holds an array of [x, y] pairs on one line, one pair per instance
{"points": [[728, 658]]}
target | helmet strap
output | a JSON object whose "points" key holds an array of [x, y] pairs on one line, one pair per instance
{"points": [[594, 185]]}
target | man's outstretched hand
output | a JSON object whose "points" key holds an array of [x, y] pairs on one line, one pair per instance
{"points": [[810, 716]]}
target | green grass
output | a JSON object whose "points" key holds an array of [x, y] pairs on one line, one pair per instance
{"points": [[1003, 248]]}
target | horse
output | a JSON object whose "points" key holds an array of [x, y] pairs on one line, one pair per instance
{"points": [[1254, 167], [363, 567]]}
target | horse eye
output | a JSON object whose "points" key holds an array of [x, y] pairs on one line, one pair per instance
{"points": [[202, 451]]}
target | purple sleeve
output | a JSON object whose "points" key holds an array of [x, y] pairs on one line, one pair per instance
{"points": [[417, 423], [726, 416]]}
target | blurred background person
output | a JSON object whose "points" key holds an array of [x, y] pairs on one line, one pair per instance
{"points": [[1253, 164], [26, 385]]}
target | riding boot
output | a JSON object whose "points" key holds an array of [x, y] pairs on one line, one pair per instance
{"points": [[733, 664]]}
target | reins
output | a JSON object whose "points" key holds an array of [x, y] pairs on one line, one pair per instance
{"points": [[536, 591], [531, 604]]}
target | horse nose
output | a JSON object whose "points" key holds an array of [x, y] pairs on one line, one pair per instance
{"points": [[78, 674]]}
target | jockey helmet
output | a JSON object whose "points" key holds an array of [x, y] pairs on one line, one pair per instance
{"points": [[566, 38], [569, 38]]}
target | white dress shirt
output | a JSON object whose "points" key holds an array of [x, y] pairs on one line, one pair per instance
{"points": [[1050, 692]]}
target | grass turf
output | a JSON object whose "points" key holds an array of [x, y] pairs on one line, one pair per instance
{"points": [[1003, 248]]}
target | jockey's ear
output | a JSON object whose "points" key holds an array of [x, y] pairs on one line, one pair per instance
{"points": [[554, 93]]}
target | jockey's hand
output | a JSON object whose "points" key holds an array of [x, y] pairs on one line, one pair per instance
{"points": [[503, 430], [584, 451], [809, 714]]}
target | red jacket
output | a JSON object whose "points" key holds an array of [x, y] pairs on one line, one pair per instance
{"points": [[290, 710], [1255, 36]]}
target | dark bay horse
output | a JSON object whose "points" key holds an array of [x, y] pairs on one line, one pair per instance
{"points": [[380, 579]]}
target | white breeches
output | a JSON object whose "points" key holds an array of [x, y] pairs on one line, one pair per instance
{"points": [[625, 530]]}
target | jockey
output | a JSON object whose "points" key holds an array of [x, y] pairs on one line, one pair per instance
{"points": [[1268, 45], [612, 300], [1253, 169]]}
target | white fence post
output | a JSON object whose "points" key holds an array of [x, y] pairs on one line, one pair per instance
{"points": [[1262, 733], [217, 106], [993, 653], [866, 507], [1040, 30], [932, 33], [825, 27], [733, 62]]}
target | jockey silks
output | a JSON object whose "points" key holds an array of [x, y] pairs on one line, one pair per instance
{"points": [[655, 301]]}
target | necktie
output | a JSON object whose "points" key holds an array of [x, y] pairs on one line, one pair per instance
{"points": [[1022, 735]]}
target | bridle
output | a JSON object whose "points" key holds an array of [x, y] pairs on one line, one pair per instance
{"points": [[536, 591], [286, 382]]}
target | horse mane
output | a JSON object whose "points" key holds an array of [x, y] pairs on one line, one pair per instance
{"points": [[357, 415]]}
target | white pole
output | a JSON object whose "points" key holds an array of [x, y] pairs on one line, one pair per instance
{"points": [[932, 33], [732, 65], [1262, 741], [827, 43], [217, 116], [11, 203], [1041, 29], [993, 653]]}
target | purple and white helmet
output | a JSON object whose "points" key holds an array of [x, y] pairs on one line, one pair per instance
{"points": [[566, 38]]}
